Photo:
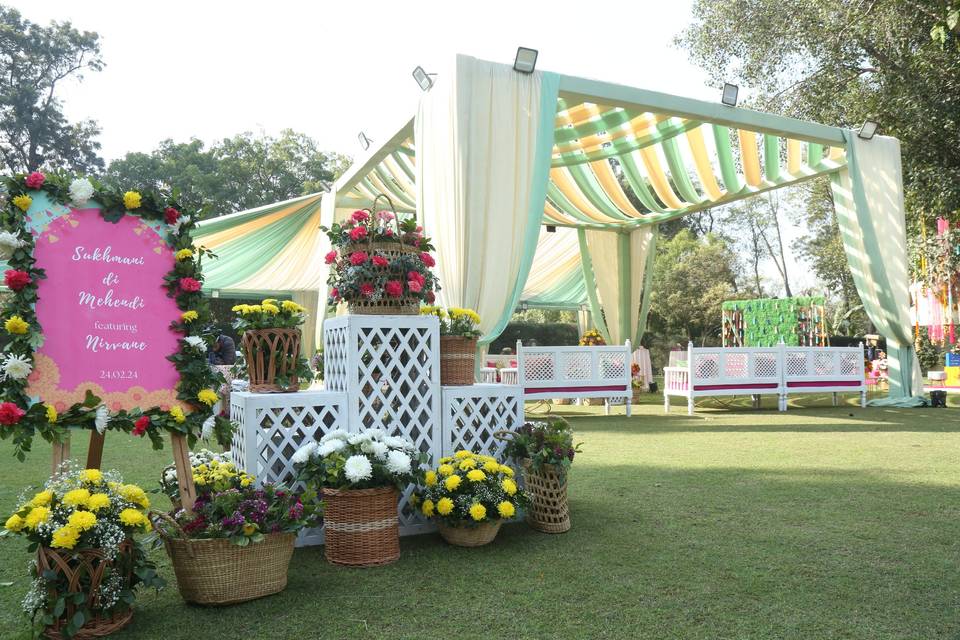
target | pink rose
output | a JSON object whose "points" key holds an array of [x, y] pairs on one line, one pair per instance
{"points": [[359, 216], [10, 413], [416, 276], [393, 288], [358, 233], [388, 232], [414, 286], [331, 257], [380, 261], [190, 285], [358, 257], [35, 180], [366, 289], [428, 259], [419, 229]]}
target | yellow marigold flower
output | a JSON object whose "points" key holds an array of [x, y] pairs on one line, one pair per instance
{"points": [[444, 506], [65, 537], [249, 529], [177, 414], [76, 498], [98, 501], [184, 254], [476, 476], [252, 308], [133, 518], [51, 413], [189, 316], [42, 499], [23, 202], [491, 466], [427, 508], [93, 476], [208, 397], [452, 483], [478, 512], [463, 453], [509, 486], [269, 301], [36, 517], [445, 470], [131, 200], [506, 509], [507, 471], [445, 459], [133, 493], [272, 309], [292, 307], [468, 463], [430, 478], [16, 325], [82, 520], [14, 523]]}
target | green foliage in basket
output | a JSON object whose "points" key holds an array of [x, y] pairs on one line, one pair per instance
{"points": [[547, 442], [470, 489]]}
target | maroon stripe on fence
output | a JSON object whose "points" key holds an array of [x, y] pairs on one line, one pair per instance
{"points": [[612, 387], [825, 383], [729, 387]]}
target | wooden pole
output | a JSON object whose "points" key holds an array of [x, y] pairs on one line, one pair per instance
{"points": [[181, 458], [61, 452], [95, 452]]}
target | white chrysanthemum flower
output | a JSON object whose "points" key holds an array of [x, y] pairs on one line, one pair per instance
{"points": [[358, 468], [375, 434], [304, 453], [358, 438], [170, 475], [336, 434], [17, 367], [102, 419], [329, 447], [9, 242], [80, 191], [398, 462], [206, 430], [379, 449], [398, 443], [197, 343], [175, 227]]}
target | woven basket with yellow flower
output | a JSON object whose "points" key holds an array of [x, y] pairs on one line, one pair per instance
{"points": [[271, 344], [470, 495], [459, 330], [88, 565]]}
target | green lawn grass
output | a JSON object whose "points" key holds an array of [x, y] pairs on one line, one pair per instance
{"points": [[820, 522]]}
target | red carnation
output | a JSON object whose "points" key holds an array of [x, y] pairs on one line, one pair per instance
{"points": [[140, 426], [359, 216], [366, 289], [170, 215], [335, 293], [10, 413], [416, 276], [16, 280], [35, 180], [428, 259], [331, 257], [190, 285], [380, 261], [393, 288], [414, 286], [358, 257], [358, 233]]}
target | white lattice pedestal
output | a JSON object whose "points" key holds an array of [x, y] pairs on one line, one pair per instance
{"points": [[272, 426], [389, 367], [473, 414]]}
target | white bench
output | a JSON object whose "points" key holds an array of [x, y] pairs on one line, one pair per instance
{"points": [[575, 372], [758, 371]]}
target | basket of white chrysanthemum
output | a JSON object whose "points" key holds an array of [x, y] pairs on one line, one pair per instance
{"points": [[361, 476]]}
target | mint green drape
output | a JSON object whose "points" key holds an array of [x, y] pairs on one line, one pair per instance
{"points": [[590, 281]]}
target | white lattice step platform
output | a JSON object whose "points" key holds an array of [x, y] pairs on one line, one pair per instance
{"points": [[473, 414], [389, 367], [272, 426]]}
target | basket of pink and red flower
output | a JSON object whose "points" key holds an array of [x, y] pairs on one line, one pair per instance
{"points": [[380, 265], [237, 542]]}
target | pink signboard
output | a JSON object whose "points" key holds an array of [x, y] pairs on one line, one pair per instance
{"points": [[105, 314]]}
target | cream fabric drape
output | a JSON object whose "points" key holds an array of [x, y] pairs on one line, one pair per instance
{"points": [[476, 136]]}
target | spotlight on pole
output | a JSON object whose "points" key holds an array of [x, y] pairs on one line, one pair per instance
{"points": [[729, 96], [526, 60], [868, 130], [551, 228], [364, 140], [423, 78]]}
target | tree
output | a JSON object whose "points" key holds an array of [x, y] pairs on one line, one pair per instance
{"points": [[34, 63], [236, 173], [755, 222]]}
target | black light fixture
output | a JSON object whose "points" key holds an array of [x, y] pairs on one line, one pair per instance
{"points": [[364, 140], [526, 60], [868, 130], [729, 96], [551, 228], [423, 78]]}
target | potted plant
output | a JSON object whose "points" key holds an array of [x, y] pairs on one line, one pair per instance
{"points": [[459, 330], [236, 543], [592, 338], [379, 264], [202, 460], [271, 345], [361, 476], [470, 495], [88, 566], [545, 451], [636, 382]]}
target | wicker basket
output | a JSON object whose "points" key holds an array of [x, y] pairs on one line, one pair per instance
{"points": [[271, 353], [218, 572], [548, 510], [361, 526], [470, 536], [458, 358], [402, 306], [86, 566]]}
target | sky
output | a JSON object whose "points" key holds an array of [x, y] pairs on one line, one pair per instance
{"points": [[211, 69]]}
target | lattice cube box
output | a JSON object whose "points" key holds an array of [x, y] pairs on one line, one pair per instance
{"points": [[473, 414], [272, 426]]}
